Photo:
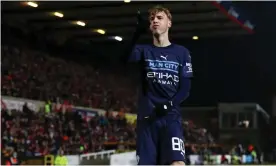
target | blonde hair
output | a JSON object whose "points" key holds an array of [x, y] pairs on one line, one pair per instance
{"points": [[157, 9]]}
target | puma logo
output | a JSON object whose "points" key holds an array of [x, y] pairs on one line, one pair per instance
{"points": [[164, 57]]}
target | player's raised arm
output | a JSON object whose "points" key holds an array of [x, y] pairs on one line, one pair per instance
{"points": [[131, 51]]}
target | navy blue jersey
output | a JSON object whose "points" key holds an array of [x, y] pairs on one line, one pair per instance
{"points": [[165, 75]]}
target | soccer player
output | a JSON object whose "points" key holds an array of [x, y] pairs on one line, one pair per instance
{"points": [[166, 71]]}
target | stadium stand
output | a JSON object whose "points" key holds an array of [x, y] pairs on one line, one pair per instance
{"points": [[34, 75], [29, 133]]}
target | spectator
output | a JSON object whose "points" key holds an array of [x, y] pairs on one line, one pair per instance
{"points": [[33, 75]]}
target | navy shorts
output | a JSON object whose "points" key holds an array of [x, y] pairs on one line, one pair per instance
{"points": [[160, 142]]}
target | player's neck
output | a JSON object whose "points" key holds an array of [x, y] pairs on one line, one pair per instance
{"points": [[161, 40]]}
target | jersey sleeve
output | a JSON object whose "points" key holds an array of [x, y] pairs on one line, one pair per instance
{"points": [[185, 81], [136, 54], [187, 65]]}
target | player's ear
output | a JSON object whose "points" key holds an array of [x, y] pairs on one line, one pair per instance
{"points": [[169, 23]]}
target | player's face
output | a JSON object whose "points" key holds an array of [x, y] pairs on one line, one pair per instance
{"points": [[159, 23]]}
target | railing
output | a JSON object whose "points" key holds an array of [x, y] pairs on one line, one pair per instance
{"points": [[97, 154], [17, 104]]}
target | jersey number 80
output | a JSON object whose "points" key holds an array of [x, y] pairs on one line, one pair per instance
{"points": [[178, 144]]}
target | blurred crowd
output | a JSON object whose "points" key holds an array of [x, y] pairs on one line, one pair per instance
{"points": [[30, 133], [34, 75], [196, 134]]}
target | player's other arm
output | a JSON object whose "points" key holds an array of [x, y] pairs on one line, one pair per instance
{"points": [[132, 51], [185, 79]]}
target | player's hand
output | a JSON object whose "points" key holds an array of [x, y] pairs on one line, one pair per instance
{"points": [[142, 25]]}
